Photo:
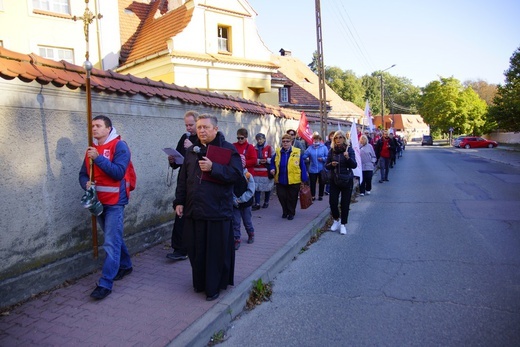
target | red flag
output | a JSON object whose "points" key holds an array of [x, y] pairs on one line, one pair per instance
{"points": [[303, 129]]}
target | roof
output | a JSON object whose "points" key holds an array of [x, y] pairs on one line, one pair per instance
{"points": [[31, 67], [304, 77], [402, 121], [152, 35]]}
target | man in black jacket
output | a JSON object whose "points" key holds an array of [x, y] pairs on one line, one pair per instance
{"points": [[204, 198]]}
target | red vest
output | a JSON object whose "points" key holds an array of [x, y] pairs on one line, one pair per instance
{"points": [[107, 188], [261, 169]]}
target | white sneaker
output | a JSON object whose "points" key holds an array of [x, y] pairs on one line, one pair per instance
{"points": [[335, 225], [362, 194], [343, 230], [368, 192]]}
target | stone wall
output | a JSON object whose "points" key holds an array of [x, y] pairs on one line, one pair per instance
{"points": [[45, 233]]}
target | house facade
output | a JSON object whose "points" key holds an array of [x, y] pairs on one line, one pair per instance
{"points": [[50, 31], [210, 45]]}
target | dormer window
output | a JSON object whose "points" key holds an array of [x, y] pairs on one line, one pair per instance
{"points": [[57, 6], [224, 39], [284, 95]]}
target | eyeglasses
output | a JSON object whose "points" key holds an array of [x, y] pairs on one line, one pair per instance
{"points": [[285, 141], [240, 137]]}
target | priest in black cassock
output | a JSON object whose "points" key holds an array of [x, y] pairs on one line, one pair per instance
{"points": [[204, 198]]}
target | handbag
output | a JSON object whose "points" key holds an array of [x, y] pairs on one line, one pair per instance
{"points": [[342, 180], [305, 196], [325, 176]]}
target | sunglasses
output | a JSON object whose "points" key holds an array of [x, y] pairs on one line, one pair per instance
{"points": [[338, 137], [240, 137], [286, 141]]}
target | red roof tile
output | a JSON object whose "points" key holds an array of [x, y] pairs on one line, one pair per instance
{"points": [[29, 68]]}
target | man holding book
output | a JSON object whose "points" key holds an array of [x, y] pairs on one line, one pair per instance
{"points": [[204, 199]]}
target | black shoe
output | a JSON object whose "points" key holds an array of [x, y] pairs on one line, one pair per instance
{"points": [[255, 207], [198, 290], [251, 238], [176, 255], [100, 293], [265, 205], [237, 245], [284, 215], [313, 198], [380, 181], [122, 273], [290, 217], [326, 193], [320, 198], [386, 180], [212, 297]]}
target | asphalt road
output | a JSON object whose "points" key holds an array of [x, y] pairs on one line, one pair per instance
{"points": [[431, 258]]}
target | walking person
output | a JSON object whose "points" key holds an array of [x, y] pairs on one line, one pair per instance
{"points": [[179, 249], [383, 149], [264, 182], [110, 159], [246, 149], [317, 154], [204, 197], [328, 143], [368, 159], [341, 160], [289, 172]]}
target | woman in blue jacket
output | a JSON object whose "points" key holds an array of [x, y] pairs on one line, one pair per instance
{"points": [[317, 154]]}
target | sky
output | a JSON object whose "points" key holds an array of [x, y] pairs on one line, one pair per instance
{"points": [[426, 40]]}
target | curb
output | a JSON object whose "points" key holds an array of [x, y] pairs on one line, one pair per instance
{"points": [[233, 303]]}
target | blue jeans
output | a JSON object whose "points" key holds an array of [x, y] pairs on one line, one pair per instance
{"points": [[117, 256], [384, 167], [242, 214]]}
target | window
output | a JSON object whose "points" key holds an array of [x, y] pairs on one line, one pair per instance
{"points": [[224, 39], [284, 94], [57, 54], [58, 6]]}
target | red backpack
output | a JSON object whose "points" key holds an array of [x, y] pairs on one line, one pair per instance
{"points": [[130, 176]]}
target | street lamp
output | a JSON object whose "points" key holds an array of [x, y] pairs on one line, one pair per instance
{"points": [[383, 97]]}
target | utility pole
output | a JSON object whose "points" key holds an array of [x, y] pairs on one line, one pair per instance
{"points": [[321, 73], [383, 97]]}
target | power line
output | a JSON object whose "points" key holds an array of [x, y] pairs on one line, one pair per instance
{"points": [[340, 13]]}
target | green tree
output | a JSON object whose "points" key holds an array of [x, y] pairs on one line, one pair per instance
{"points": [[313, 65], [506, 109], [447, 104], [346, 84]]}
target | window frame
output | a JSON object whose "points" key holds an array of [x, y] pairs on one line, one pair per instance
{"points": [[283, 92], [56, 52], [54, 6], [221, 38]]}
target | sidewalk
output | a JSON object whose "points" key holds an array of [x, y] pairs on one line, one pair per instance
{"points": [[156, 304]]}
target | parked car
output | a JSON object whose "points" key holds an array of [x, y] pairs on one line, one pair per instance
{"points": [[427, 140], [456, 142], [476, 142]]}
